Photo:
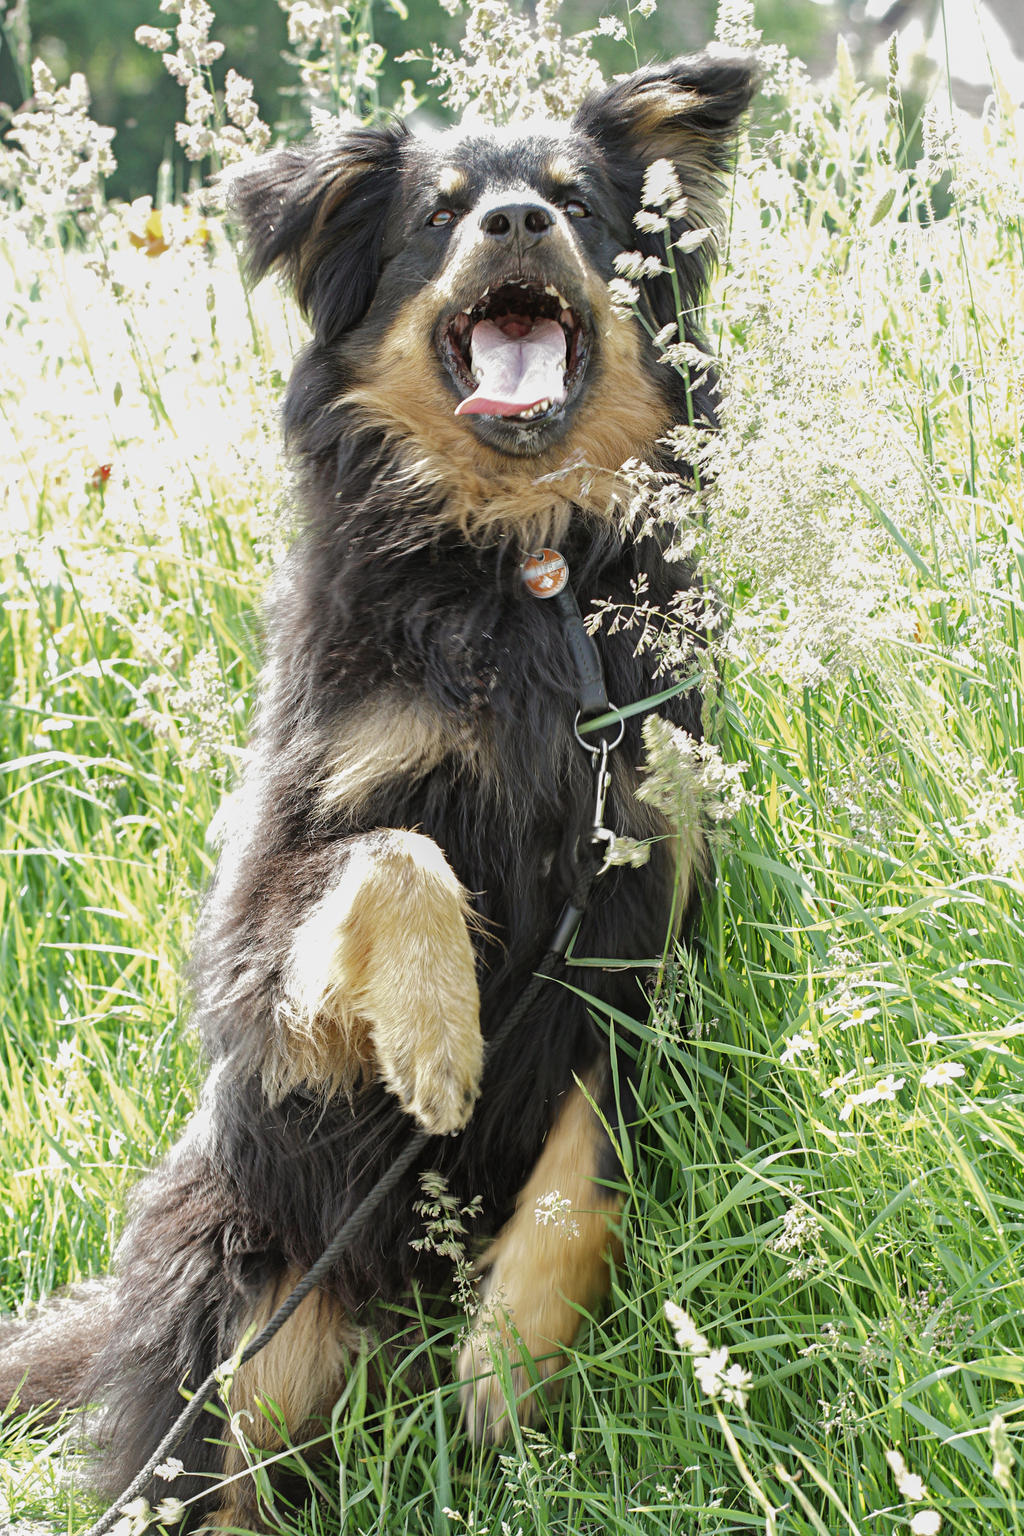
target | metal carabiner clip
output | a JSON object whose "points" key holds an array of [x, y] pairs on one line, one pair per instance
{"points": [[599, 751], [599, 833]]}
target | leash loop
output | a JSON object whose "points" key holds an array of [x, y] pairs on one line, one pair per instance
{"points": [[592, 747]]}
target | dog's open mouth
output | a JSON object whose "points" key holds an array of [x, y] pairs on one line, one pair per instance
{"points": [[520, 352]]}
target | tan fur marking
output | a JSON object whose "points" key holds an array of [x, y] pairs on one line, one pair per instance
{"points": [[297, 1377], [387, 739], [658, 121], [562, 169], [654, 106], [382, 974], [540, 1274], [451, 181], [621, 417]]}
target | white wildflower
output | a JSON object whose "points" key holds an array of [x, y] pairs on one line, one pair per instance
{"points": [[734, 24], [799, 1241], [708, 1369], [927, 1522], [555, 1210], [649, 222], [55, 157], [169, 1512], [736, 1385], [135, 1517], [689, 781], [850, 1010], [910, 1485], [839, 1082], [942, 1074], [661, 185], [715, 1376], [632, 265], [514, 65], [690, 239], [882, 1092], [685, 1330], [796, 1046], [624, 296], [229, 134], [800, 1229], [839, 1417], [169, 1469], [66, 1057], [154, 37]]}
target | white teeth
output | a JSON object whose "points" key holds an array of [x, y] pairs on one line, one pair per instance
{"points": [[564, 302], [535, 410], [549, 288]]}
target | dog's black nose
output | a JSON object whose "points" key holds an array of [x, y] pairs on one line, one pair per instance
{"points": [[521, 224]]}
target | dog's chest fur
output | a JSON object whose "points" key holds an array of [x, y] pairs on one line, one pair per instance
{"points": [[431, 690]]}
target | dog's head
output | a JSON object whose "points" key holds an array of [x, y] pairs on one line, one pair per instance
{"points": [[460, 280]]}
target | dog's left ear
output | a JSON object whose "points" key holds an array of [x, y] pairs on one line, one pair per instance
{"points": [[685, 111], [318, 211]]}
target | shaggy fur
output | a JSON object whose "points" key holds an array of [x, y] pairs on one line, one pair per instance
{"points": [[408, 828]]}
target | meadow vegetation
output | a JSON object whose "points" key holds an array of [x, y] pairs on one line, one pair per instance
{"points": [[817, 1324]]}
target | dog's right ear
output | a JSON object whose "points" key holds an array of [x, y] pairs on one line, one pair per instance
{"points": [[317, 211]]}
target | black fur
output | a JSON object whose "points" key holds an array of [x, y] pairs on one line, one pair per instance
{"points": [[384, 596]]}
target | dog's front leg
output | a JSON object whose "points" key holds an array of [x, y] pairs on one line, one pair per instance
{"points": [[381, 978], [548, 1265]]}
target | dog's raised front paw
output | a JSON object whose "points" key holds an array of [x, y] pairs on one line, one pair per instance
{"points": [[415, 977], [439, 1087], [382, 978]]}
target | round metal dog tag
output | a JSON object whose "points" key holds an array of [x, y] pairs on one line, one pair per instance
{"points": [[545, 574]]}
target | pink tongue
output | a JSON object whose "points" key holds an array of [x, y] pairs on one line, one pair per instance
{"points": [[518, 367]]}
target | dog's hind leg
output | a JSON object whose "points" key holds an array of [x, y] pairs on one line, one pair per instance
{"points": [[290, 1384], [548, 1264], [196, 1275], [382, 970]]}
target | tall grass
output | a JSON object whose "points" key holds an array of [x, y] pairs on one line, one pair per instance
{"points": [[827, 1174]]}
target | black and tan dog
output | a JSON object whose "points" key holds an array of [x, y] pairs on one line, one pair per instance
{"points": [[410, 822]]}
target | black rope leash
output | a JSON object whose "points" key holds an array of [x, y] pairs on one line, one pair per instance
{"points": [[545, 575]]}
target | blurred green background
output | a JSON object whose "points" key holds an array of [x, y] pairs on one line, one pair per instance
{"points": [[132, 91]]}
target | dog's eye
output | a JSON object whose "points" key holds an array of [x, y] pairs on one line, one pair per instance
{"points": [[442, 216], [575, 209]]}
